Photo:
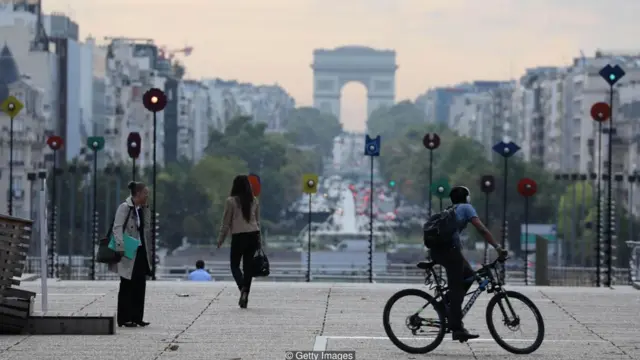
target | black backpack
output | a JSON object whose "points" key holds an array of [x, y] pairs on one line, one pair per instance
{"points": [[440, 229]]}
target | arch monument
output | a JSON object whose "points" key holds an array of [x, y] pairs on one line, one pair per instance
{"points": [[332, 69]]}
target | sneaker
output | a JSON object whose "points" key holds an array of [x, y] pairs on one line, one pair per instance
{"points": [[463, 335]]}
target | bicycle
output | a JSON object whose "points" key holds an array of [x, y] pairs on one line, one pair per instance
{"points": [[488, 278]]}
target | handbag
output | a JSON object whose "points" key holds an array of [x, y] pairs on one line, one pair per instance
{"points": [[105, 254], [260, 264]]}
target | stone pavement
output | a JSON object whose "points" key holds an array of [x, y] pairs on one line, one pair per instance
{"points": [[581, 323]]}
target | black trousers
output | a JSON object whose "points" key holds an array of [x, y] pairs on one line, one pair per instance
{"points": [[132, 292], [243, 247], [458, 269]]}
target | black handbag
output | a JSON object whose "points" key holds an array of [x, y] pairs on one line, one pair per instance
{"points": [[260, 264], [105, 255]]}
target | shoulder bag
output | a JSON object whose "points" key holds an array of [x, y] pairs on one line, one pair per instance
{"points": [[106, 255]]}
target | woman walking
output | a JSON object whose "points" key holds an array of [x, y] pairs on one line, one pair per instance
{"points": [[133, 218], [241, 218]]}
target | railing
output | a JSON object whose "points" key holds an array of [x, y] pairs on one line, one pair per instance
{"points": [[296, 271], [634, 261]]}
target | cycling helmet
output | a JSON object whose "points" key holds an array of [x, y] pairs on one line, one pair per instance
{"points": [[460, 194]]}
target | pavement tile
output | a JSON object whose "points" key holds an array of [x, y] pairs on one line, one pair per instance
{"points": [[204, 322]]}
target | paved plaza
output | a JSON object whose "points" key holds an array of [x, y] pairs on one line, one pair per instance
{"points": [[204, 321]]}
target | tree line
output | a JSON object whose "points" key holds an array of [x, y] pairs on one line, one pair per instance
{"points": [[462, 161], [190, 196]]}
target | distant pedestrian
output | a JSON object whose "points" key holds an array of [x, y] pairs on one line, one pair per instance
{"points": [[199, 274], [241, 218], [133, 218]]}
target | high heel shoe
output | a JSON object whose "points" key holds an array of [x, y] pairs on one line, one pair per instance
{"points": [[244, 299], [129, 324]]}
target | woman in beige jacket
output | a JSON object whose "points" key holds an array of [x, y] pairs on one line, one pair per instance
{"points": [[241, 218], [133, 218]]}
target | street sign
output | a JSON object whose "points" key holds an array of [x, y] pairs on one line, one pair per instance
{"points": [[506, 150], [487, 184], [372, 146], [600, 111], [527, 187], [431, 141]]}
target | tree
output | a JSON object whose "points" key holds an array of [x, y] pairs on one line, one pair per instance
{"points": [[577, 224], [307, 126], [462, 162], [392, 122]]}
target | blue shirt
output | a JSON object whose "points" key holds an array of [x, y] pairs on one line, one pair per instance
{"points": [[464, 214], [199, 275]]}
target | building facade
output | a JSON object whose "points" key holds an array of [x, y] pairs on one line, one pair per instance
{"points": [[131, 71]]}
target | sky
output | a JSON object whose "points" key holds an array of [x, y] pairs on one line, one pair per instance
{"points": [[438, 42]]}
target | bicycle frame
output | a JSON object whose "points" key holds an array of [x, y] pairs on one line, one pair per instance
{"points": [[486, 282]]}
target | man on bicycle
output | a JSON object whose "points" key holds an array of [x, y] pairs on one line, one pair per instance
{"points": [[456, 266]]}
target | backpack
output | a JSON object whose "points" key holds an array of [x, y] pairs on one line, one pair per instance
{"points": [[440, 229]]}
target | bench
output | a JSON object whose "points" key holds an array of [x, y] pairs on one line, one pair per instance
{"points": [[15, 305]]}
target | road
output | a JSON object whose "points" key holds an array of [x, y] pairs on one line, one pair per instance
{"points": [[581, 323]]}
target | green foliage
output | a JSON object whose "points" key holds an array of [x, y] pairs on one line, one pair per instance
{"points": [[577, 222], [190, 197], [308, 126], [392, 122], [462, 162]]}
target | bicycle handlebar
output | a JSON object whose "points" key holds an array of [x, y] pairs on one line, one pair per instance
{"points": [[495, 262]]}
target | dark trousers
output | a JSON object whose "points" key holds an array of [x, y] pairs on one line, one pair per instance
{"points": [[131, 293], [243, 247], [458, 270]]}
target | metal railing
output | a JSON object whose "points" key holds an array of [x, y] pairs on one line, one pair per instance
{"points": [[296, 271], [634, 261]]}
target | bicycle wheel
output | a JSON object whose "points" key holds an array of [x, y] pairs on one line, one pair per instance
{"points": [[415, 320], [506, 301]]}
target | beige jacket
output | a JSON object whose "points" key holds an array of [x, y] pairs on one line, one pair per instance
{"points": [[125, 267], [234, 223]]}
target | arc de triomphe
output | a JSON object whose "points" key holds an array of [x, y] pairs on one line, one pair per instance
{"points": [[332, 69]]}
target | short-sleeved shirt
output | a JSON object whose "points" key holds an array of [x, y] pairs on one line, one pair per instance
{"points": [[199, 275], [464, 214]]}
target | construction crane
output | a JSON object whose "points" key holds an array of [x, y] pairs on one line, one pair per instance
{"points": [[169, 54]]}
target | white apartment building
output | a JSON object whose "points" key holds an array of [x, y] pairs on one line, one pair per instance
{"points": [[195, 120], [130, 73], [467, 115], [487, 114], [269, 104], [223, 104]]}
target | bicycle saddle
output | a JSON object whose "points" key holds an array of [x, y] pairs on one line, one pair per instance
{"points": [[424, 265]]}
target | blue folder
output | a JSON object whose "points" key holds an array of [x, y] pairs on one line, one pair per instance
{"points": [[131, 245]]}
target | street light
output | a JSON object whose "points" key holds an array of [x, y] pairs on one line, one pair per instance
{"points": [[12, 107], [95, 143], [611, 74], [154, 100]]}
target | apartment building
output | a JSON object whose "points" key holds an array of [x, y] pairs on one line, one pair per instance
{"points": [[195, 120], [131, 67], [485, 112], [29, 142], [223, 105], [269, 104]]}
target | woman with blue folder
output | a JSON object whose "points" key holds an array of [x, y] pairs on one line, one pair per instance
{"points": [[132, 240]]}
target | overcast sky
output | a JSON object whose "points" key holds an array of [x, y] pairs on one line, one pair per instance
{"points": [[438, 42]]}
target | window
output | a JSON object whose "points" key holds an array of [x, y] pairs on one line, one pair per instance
{"points": [[17, 182], [18, 155]]}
